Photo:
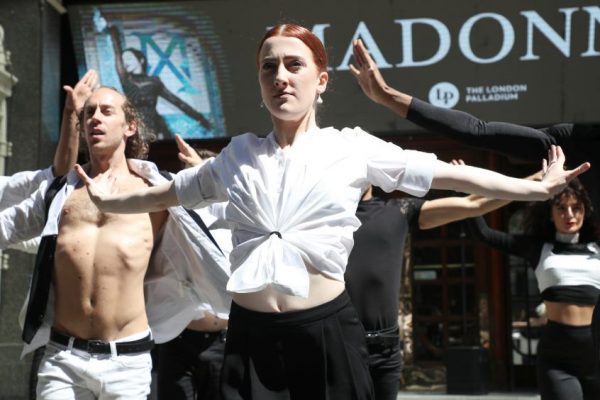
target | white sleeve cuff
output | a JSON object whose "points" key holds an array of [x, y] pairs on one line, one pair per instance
{"points": [[418, 176]]}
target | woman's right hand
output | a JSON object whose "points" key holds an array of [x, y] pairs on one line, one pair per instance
{"points": [[108, 199], [98, 188]]}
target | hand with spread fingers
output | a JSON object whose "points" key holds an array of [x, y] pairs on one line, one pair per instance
{"points": [[555, 177], [65, 156], [98, 188], [77, 95], [367, 74], [187, 154], [371, 82]]}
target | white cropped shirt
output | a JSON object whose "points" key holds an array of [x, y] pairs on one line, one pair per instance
{"points": [[306, 193], [568, 269]]}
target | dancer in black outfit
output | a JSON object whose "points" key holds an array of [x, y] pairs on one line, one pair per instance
{"points": [[144, 90], [374, 270], [566, 256], [579, 142]]}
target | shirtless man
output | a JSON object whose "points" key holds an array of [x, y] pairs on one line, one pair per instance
{"points": [[100, 340], [19, 186], [95, 277], [99, 267]]}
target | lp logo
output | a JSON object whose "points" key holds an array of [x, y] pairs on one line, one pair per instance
{"points": [[444, 94]]}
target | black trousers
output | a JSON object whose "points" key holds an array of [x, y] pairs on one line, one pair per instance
{"points": [[567, 366], [189, 366], [314, 354], [38, 354], [385, 366]]}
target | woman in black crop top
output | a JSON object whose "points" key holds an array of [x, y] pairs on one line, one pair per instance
{"points": [[561, 243]]}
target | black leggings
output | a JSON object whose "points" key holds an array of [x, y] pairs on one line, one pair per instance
{"points": [[567, 368]]}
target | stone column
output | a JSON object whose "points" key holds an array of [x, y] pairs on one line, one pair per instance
{"points": [[7, 81]]}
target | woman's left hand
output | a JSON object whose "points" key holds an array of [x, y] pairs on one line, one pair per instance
{"points": [[555, 177], [187, 154]]}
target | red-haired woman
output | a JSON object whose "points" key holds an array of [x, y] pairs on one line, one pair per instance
{"points": [[293, 332]]}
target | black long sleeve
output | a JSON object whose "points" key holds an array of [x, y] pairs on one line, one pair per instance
{"points": [[509, 139], [579, 142], [522, 246]]}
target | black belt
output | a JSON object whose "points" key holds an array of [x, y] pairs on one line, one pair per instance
{"points": [[102, 347], [221, 335], [383, 338]]}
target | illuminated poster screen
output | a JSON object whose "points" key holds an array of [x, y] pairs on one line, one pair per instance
{"points": [[533, 62], [163, 57]]}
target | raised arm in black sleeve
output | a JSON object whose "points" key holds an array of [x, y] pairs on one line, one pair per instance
{"points": [[574, 134], [522, 246], [579, 142], [509, 139]]}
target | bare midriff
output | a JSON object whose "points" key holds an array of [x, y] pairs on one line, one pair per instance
{"points": [[569, 314], [322, 289]]}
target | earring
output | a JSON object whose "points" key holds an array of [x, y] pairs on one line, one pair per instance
{"points": [[319, 99], [262, 104]]}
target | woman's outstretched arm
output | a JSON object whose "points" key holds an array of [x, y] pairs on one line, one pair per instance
{"points": [[116, 36], [467, 179], [445, 210], [155, 198]]}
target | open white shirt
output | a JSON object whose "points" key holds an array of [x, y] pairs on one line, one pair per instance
{"points": [[307, 192], [19, 186], [186, 276]]}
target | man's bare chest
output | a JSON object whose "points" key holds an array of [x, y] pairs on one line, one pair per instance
{"points": [[80, 209]]}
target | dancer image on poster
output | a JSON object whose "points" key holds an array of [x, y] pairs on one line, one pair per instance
{"points": [[292, 201], [144, 90]]}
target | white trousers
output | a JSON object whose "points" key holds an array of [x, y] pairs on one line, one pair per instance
{"points": [[67, 373]]}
